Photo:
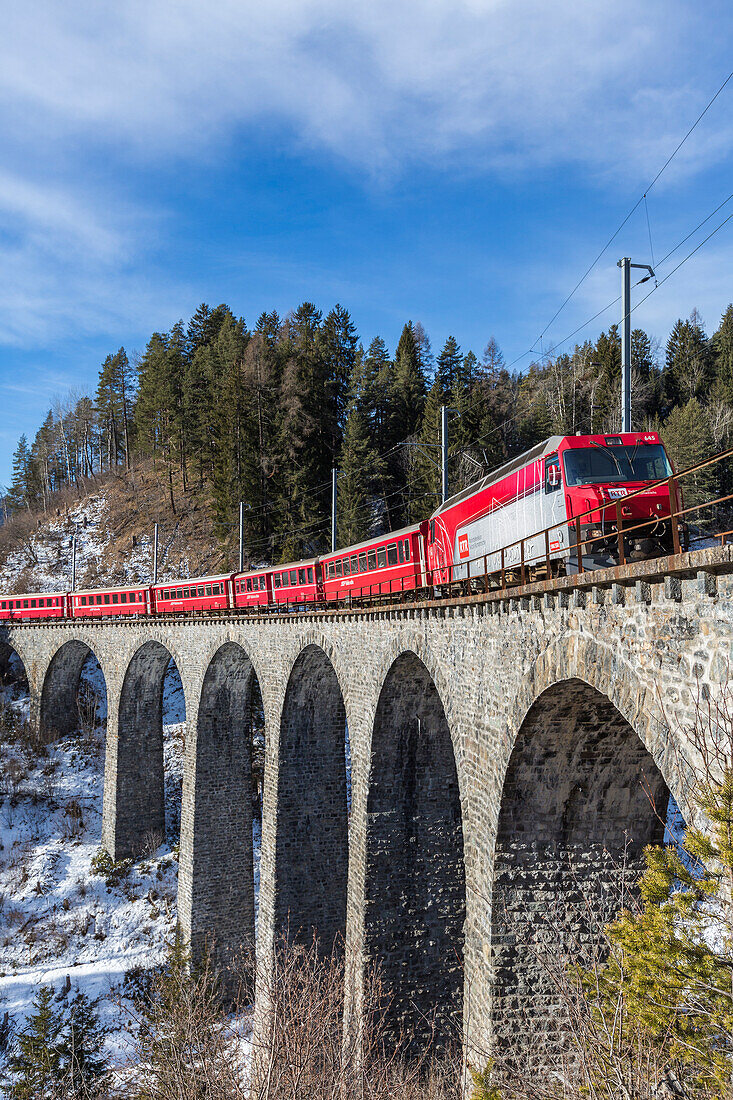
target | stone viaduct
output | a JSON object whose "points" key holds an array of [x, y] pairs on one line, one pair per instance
{"points": [[502, 754]]}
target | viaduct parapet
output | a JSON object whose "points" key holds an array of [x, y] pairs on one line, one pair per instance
{"points": [[501, 755]]}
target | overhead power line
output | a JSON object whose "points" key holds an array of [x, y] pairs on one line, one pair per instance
{"points": [[634, 208]]}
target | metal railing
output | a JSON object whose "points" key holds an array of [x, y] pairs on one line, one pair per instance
{"points": [[515, 566]]}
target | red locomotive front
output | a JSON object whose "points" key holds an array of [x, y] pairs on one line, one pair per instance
{"points": [[525, 514]]}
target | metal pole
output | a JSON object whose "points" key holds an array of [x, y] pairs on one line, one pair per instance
{"points": [[241, 536], [73, 562], [443, 454], [155, 554], [625, 266], [334, 477]]}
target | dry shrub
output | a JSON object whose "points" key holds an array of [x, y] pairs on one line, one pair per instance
{"points": [[303, 1049]]}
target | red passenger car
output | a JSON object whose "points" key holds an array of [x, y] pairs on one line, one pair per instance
{"points": [[52, 605], [198, 594], [297, 583], [111, 601], [389, 564], [253, 589]]}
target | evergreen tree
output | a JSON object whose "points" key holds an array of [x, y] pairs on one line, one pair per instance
{"points": [[407, 403], [377, 389], [605, 413], [36, 1061], [722, 348], [360, 479], [686, 435], [339, 341], [425, 467], [667, 982], [450, 362], [83, 1066], [688, 368], [21, 487], [304, 441]]}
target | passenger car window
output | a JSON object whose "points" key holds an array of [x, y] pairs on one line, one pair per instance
{"points": [[338, 568], [407, 549], [362, 562], [301, 576], [381, 557], [372, 559], [354, 564], [347, 568], [310, 574], [208, 589], [115, 598], [392, 554], [293, 576]]}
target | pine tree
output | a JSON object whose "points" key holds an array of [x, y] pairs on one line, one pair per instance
{"points": [[304, 439], [425, 466], [450, 361], [722, 348], [83, 1066], [360, 479], [666, 986], [339, 341], [21, 487], [688, 368], [686, 435], [407, 401], [377, 390], [36, 1061]]}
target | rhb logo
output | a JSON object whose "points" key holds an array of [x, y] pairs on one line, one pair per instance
{"points": [[463, 550]]}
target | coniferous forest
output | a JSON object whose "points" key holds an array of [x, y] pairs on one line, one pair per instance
{"points": [[263, 414]]}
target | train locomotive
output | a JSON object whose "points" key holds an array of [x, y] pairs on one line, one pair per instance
{"points": [[536, 512]]}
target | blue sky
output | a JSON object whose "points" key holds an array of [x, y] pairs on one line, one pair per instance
{"points": [[458, 163]]}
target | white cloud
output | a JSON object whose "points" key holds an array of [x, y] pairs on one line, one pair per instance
{"points": [[517, 86], [378, 82]]}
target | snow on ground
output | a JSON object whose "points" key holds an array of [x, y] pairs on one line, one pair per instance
{"points": [[46, 560], [57, 917]]}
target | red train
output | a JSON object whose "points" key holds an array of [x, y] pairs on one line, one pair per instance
{"points": [[577, 486]]}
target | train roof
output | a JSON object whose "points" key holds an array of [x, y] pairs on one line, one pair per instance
{"points": [[538, 451], [288, 565], [120, 588], [27, 595], [190, 580], [388, 536]]}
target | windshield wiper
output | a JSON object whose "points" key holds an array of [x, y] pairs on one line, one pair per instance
{"points": [[613, 456]]}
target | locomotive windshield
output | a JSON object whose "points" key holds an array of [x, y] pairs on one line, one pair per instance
{"points": [[588, 465]]}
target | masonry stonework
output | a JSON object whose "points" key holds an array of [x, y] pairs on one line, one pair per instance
{"points": [[493, 745]]}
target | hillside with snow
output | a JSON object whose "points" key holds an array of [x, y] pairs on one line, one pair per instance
{"points": [[65, 920], [62, 922]]}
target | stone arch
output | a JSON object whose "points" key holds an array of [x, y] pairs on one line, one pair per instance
{"points": [[12, 666], [59, 695], [216, 881], [311, 840], [415, 894], [581, 797], [134, 813]]}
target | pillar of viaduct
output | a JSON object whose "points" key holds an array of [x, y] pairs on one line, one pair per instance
{"points": [[441, 784]]}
